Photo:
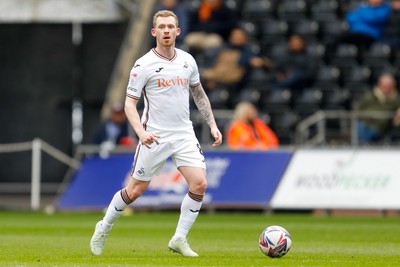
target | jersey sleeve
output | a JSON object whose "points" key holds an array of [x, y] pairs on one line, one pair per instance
{"points": [[137, 81], [195, 76]]}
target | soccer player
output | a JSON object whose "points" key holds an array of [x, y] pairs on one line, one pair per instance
{"points": [[164, 76]]}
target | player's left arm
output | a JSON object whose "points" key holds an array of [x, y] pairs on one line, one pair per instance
{"points": [[203, 104]]}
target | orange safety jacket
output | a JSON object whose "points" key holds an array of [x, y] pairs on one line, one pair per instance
{"points": [[242, 135]]}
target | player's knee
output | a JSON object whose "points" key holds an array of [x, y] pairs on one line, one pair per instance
{"points": [[200, 187]]}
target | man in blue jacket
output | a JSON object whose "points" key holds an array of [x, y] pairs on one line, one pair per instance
{"points": [[366, 24]]}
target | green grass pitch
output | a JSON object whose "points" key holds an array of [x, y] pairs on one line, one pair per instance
{"points": [[221, 239]]}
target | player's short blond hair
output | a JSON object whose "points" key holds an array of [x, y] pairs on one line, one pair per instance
{"points": [[165, 13]]}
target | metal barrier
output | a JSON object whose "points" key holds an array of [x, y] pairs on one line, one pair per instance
{"points": [[347, 121], [37, 145]]}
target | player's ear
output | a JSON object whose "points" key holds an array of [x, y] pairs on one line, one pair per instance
{"points": [[178, 31], [153, 32]]}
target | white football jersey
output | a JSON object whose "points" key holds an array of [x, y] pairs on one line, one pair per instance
{"points": [[165, 84]]}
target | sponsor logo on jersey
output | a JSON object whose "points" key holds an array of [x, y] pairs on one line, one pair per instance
{"points": [[137, 65], [178, 81], [159, 69], [186, 65]]}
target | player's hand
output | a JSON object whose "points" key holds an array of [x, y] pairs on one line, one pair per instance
{"points": [[148, 139], [217, 136]]}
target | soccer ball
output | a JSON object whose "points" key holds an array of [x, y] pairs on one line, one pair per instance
{"points": [[275, 241]]}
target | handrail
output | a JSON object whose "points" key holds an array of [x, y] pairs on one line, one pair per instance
{"points": [[37, 145], [319, 118]]}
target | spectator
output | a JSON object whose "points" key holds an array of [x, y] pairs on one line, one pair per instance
{"points": [[248, 131], [113, 131], [396, 119], [233, 62], [366, 24], [180, 11], [296, 69], [384, 97], [210, 25], [394, 134]]}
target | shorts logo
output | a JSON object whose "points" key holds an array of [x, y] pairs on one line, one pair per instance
{"points": [[140, 172]]}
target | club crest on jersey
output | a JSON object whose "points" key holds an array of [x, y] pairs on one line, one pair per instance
{"points": [[140, 172], [186, 65], [178, 81]]}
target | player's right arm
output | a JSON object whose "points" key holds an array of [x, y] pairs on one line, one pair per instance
{"points": [[137, 81], [134, 119]]}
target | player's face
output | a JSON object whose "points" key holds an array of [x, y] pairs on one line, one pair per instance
{"points": [[165, 31]]}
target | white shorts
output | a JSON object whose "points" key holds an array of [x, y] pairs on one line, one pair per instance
{"points": [[149, 162]]}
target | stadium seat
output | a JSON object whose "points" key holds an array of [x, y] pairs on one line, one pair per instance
{"points": [[330, 30], [249, 95], [346, 6], [276, 100], [219, 98], [308, 101], [325, 11], [316, 50], [336, 99], [327, 74], [379, 51], [259, 78], [277, 50], [346, 51], [357, 74], [307, 29], [293, 10], [251, 29], [259, 9], [345, 56], [274, 29], [234, 5], [356, 90], [191, 6], [284, 125], [377, 67]]}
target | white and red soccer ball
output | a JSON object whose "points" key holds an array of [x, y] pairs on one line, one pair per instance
{"points": [[275, 241]]}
